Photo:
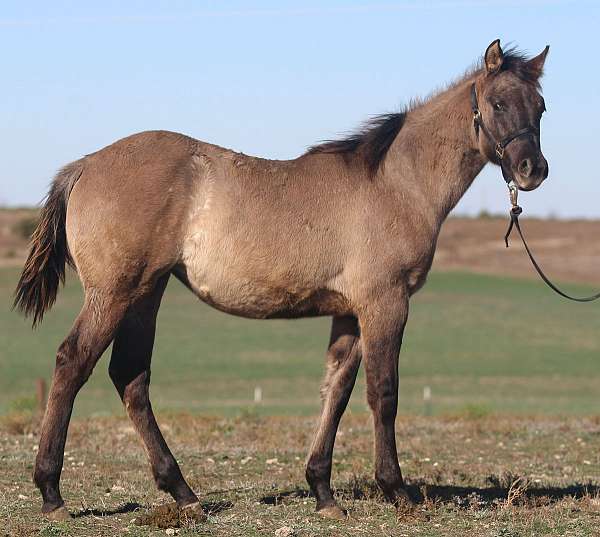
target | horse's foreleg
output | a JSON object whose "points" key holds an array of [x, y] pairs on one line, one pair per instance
{"points": [[130, 372], [92, 332], [343, 361], [382, 326]]}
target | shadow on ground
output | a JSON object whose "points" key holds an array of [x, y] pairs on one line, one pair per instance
{"points": [[210, 508], [516, 492], [128, 507], [422, 492]]}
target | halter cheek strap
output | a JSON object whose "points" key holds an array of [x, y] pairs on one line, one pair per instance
{"points": [[499, 146]]}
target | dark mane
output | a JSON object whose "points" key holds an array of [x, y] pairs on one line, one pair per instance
{"points": [[371, 142], [518, 63]]}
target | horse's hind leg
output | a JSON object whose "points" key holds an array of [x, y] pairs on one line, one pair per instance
{"points": [[343, 361], [92, 332], [130, 372]]}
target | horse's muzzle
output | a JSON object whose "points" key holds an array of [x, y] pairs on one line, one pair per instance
{"points": [[531, 173]]}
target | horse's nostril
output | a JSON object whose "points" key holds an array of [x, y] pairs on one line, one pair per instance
{"points": [[525, 167]]}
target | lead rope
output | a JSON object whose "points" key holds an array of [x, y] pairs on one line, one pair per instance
{"points": [[515, 209], [515, 212]]}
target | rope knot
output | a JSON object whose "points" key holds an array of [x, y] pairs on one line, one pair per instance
{"points": [[515, 210]]}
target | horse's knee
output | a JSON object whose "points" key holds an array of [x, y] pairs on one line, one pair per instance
{"points": [[332, 368], [337, 358]]}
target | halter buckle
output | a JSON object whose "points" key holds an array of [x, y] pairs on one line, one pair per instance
{"points": [[476, 121], [499, 150]]}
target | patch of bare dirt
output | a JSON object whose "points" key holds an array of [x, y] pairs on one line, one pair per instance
{"points": [[15, 226], [568, 250], [495, 475]]}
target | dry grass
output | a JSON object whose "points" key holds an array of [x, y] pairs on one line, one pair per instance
{"points": [[486, 476]]}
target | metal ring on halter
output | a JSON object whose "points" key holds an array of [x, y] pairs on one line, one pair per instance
{"points": [[513, 192]]}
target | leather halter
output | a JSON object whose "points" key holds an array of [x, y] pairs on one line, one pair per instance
{"points": [[499, 146], [516, 210]]}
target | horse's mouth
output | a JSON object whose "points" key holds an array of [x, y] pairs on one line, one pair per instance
{"points": [[528, 184]]}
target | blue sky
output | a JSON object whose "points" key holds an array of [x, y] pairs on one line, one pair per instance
{"points": [[271, 78]]}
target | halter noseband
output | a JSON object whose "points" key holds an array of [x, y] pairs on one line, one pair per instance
{"points": [[499, 146]]}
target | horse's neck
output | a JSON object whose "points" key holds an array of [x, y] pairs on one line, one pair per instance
{"points": [[435, 154]]}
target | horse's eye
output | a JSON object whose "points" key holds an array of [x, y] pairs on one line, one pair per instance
{"points": [[498, 106]]}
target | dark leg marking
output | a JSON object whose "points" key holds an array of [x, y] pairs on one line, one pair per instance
{"points": [[381, 336], [130, 372], [91, 334], [343, 361]]}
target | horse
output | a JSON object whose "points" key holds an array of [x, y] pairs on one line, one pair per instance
{"points": [[347, 230]]}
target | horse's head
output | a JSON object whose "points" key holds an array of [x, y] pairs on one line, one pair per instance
{"points": [[510, 108]]}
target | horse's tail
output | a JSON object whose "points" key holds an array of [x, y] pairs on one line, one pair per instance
{"points": [[48, 254]]}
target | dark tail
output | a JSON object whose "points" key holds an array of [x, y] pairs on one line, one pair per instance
{"points": [[48, 254]]}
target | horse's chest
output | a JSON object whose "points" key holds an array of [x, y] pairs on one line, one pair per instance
{"points": [[416, 279], [416, 259]]}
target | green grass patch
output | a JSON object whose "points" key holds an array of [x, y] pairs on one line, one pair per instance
{"points": [[483, 344]]}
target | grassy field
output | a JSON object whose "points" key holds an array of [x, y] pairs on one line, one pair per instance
{"points": [[483, 344], [513, 448], [492, 477]]}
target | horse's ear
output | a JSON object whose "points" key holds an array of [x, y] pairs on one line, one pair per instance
{"points": [[493, 57], [536, 65]]}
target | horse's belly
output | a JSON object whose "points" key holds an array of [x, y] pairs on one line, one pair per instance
{"points": [[258, 300], [227, 284]]}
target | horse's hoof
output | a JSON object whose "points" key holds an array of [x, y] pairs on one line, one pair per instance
{"points": [[334, 512], [58, 515], [193, 513]]}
